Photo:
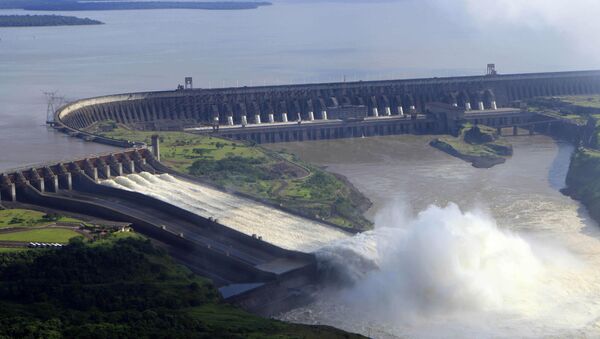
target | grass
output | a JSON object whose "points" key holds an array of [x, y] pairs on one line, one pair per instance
{"points": [[47, 235], [276, 177], [27, 218], [12, 249]]}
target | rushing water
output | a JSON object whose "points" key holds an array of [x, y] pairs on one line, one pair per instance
{"points": [[462, 252], [249, 217]]}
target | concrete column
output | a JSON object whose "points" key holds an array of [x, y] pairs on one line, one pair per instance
{"points": [[230, 120], [375, 112], [257, 119], [401, 111], [131, 167], [107, 171], [54, 183], [481, 106], [311, 116], [467, 106], [454, 104], [271, 118], [388, 111], [412, 108], [39, 184], [284, 117], [119, 167], [10, 193], [244, 120], [155, 147], [94, 174], [494, 106], [324, 114], [67, 180]]}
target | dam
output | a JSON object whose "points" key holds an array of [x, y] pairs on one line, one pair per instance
{"points": [[259, 255], [327, 111]]}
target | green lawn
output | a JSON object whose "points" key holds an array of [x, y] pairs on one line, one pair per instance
{"points": [[25, 218], [12, 249], [47, 235], [276, 177]]}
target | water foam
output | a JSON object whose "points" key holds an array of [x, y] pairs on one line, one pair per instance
{"points": [[247, 216], [446, 273]]}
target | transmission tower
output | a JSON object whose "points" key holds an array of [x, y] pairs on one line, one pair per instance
{"points": [[54, 101]]}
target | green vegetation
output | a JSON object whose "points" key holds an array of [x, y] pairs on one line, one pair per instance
{"points": [[12, 249], [480, 145], [577, 109], [75, 5], [27, 218], [583, 179], [122, 288], [46, 235], [274, 177], [44, 20]]}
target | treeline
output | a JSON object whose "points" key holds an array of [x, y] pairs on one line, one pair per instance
{"points": [[44, 20], [73, 5], [121, 288]]}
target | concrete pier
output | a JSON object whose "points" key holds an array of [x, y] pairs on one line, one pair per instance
{"points": [[156, 146]]}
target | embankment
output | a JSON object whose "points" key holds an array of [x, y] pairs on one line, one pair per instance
{"points": [[583, 180]]}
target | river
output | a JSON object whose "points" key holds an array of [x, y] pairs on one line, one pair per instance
{"points": [[512, 257], [290, 42]]}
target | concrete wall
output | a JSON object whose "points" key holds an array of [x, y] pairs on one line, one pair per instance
{"points": [[177, 109]]}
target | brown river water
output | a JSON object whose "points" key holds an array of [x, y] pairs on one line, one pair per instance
{"points": [[462, 252]]}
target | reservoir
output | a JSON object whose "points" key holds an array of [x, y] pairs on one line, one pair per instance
{"points": [[524, 257], [289, 42]]}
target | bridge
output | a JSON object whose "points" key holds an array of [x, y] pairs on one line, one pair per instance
{"points": [[249, 271]]}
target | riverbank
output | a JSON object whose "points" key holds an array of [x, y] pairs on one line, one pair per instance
{"points": [[583, 180], [480, 145], [73, 5], [45, 20], [277, 178]]}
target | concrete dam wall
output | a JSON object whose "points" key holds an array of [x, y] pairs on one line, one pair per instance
{"points": [[175, 110]]}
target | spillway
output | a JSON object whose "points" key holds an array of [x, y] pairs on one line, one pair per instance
{"points": [[277, 227]]}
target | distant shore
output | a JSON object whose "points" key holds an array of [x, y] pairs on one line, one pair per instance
{"points": [[72, 5], [44, 20]]}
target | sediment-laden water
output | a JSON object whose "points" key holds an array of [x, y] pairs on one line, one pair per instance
{"points": [[247, 216], [461, 252]]}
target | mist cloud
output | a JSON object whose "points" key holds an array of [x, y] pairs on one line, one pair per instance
{"points": [[575, 21]]}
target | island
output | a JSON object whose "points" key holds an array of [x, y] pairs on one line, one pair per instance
{"points": [[480, 145], [44, 20], [75, 5]]}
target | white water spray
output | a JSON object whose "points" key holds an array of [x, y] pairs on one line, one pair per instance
{"points": [[245, 215], [445, 273]]}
